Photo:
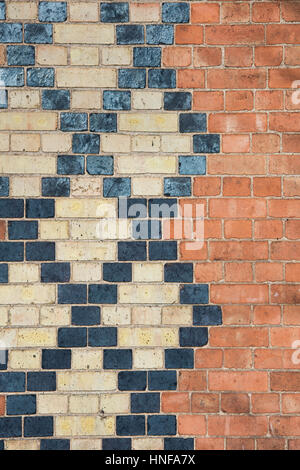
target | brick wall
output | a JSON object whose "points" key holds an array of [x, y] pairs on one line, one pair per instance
{"points": [[114, 336]]}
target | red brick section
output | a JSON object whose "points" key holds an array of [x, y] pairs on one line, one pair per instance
{"points": [[240, 61]]}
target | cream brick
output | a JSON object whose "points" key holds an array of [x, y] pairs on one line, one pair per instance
{"points": [[55, 315], [177, 315], [80, 34], [25, 359], [148, 337], [23, 315], [21, 10], [4, 142], [82, 186], [8, 337], [153, 122], [86, 99], [147, 186], [54, 229], [86, 251], [85, 208], [86, 359], [116, 55], [176, 143], [147, 443], [85, 230], [114, 229], [30, 337], [147, 272], [84, 11], [85, 426], [24, 99], [25, 444], [14, 164], [35, 294], [86, 272], [146, 143], [25, 186], [146, 165], [146, 315], [147, 100], [86, 381], [3, 316], [115, 143], [23, 273], [148, 294], [84, 56], [84, 404], [115, 403], [56, 142], [25, 142], [48, 403], [86, 444], [30, 121], [77, 77], [51, 55], [115, 315], [144, 12], [148, 359]]}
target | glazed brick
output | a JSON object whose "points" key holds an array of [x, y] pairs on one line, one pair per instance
{"points": [[177, 186], [192, 122], [159, 34], [4, 186], [55, 272], [162, 380], [72, 337], [132, 251], [133, 208], [175, 12], [146, 56], [132, 380], [116, 444], [10, 427], [103, 165], [162, 425], [194, 294], [2, 443], [55, 99], [116, 100], [11, 208], [178, 443], [159, 208], [41, 381], [103, 122], [209, 143], [162, 251], [20, 55], [10, 32], [103, 294], [165, 78], [177, 101], [12, 77], [145, 403], [40, 251], [54, 12], [73, 122], [56, 358], [12, 382], [130, 34], [146, 229], [70, 165], [117, 359], [38, 33], [114, 12], [2, 11], [11, 251], [132, 78], [3, 277], [55, 187], [130, 425], [21, 404], [207, 315], [179, 358], [178, 272], [22, 230], [117, 272], [38, 426], [40, 208], [85, 143], [193, 337], [55, 444], [72, 294], [85, 316], [102, 337], [192, 165]]}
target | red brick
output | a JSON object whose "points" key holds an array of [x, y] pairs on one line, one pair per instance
{"points": [[285, 164], [208, 358], [283, 33], [233, 186], [283, 78], [2, 230], [241, 122], [294, 444], [207, 272], [235, 13], [205, 13], [208, 101], [285, 294], [238, 208], [237, 425], [238, 228], [267, 187], [234, 34], [236, 165], [235, 78], [208, 443], [285, 122], [235, 143], [235, 403], [187, 34], [239, 294], [285, 250], [284, 337], [177, 56], [271, 272], [237, 358], [285, 425], [270, 444], [265, 143], [238, 56], [292, 229], [269, 99], [264, 12], [187, 252], [207, 186], [239, 100], [191, 425], [292, 272], [266, 314], [291, 403], [205, 403], [2, 405], [268, 359], [238, 272], [236, 314], [268, 55], [292, 55], [207, 56], [265, 403], [284, 208], [238, 336], [175, 402], [290, 143], [290, 11], [291, 314], [238, 250], [240, 444], [188, 78], [189, 380]]}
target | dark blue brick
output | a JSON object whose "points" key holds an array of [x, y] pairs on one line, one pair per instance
{"points": [[132, 78], [11, 208], [103, 294], [56, 12], [132, 208], [12, 382], [70, 165], [102, 337], [11, 32], [117, 272], [207, 315], [178, 272], [40, 77], [178, 443], [23, 230], [84, 316], [116, 187], [40, 251], [132, 251], [21, 404], [145, 403], [85, 143], [55, 444], [192, 165], [3, 280], [146, 229], [177, 186], [164, 78], [175, 12], [162, 251], [73, 122], [2, 11], [11, 251], [192, 122], [3, 359], [159, 34], [163, 425], [130, 34], [146, 56], [177, 101], [56, 187], [179, 358], [163, 208], [193, 337], [117, 100], [103, 122], [103, 165], [72, 294], [117, 359], [114, 12], [130, 425], [2, 444], [35, 33], [72, 337], [162, 380], [20, 55], [10, 427], [41, 381], [56, 99], [208, 143], [56, 358], [38, 426], [132, 380], [194, 294], [11, 77], [40, 208], [116, 444], [55, 272]]}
